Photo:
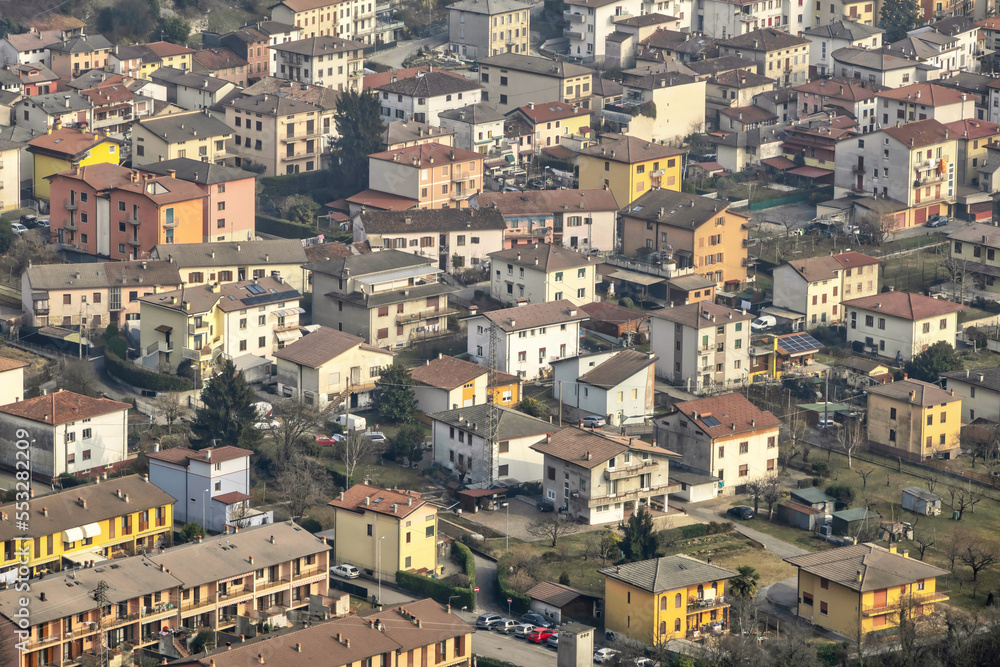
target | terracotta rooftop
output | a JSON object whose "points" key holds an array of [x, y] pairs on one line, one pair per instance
{"points": [[702, 314], [183, 455], [544, 112], [925, 94], [447, 372], [905, 305], [657, 575], [66, 141], [322, 345], [390, 502], [589, 449], [764, 39], [8, 364], [216, 58], [973, 129], [548, 201], [728, 414], [422, 155], [61, 407], [919, 133]]}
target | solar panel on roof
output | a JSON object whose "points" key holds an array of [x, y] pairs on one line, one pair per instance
{"points": [[799, 343], [711, 421]]}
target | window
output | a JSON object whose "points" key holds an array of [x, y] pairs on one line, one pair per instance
{"points": [[86, 456], [824, 583], [261, 341], [744, 447], [243, 346], [823, 609], [744, 470], [771, 442], [892, 413], [722, 452], [87, 433], [807, 599]]}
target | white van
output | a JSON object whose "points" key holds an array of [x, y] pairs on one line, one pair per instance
{"points": [[352, 422], [763, 323]]}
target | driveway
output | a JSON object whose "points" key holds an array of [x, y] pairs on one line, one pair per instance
{"points": [[520, 513], [710, 512], [395, 57]]}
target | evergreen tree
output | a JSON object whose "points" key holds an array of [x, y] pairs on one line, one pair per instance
{"points": [[359, 124], [939, 358], [227, 414], [896, 17], [393, 398], [745, 584], [639, 540]]}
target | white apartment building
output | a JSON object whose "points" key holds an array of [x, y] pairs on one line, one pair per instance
{"points": [[426, 94], [543, 272], [980, 392], [591, 21], [724, 436], [723, 19], [900, 325], [331, 62], [836, 35], [701, 346], [617, 385], [816, 286], [531, 337]]}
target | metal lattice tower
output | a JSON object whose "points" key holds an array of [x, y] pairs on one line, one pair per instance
{"points": [[490, 441], [101, 598]]}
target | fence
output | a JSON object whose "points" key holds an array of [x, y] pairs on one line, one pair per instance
{"points": [[791, 199], [348, 587]]}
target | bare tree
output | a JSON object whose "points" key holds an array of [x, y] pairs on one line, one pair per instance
{"points": [[773, 493], [303, 483], [864, 472], [875, 227], [295, 419], [603, 545], [851, 438], [794, 436], [755, 490], [171, 409], [924, 541], [979, 555], [241, 516], [353, 451], [552, 527], [965, 499], [958, 538]]}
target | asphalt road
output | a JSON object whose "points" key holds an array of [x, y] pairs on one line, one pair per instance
{"points": [[394, 57], [511, 649]]}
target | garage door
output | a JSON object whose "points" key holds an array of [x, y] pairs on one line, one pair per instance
{"points": [[921, 216]]}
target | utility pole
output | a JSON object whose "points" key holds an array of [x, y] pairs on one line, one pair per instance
{"points": [[490, 443], [101, 598]]}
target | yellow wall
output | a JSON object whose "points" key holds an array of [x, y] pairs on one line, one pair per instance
{"points": [[105, 152], [515, 394], [188, 222], [624, 180], [643, 615], [353, 545], [181, 61], [911, 427]]}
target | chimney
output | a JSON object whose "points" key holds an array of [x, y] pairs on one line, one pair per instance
{"points": [[859, 576], [45, 511]]}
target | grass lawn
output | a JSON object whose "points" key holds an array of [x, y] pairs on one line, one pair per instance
{"points": [[36, 361], [980, 359], [914, 272]]}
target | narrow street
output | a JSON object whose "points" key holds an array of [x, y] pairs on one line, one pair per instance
{"points": [[395, 57], [486, 577]]}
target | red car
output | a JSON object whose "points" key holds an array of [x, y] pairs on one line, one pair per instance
{"points": [[328, 440], [538, 635]]}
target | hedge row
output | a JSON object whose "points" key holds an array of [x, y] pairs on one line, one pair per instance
{"points": [[439, 589], [483, 661], [293, 184], [140, 377], [467, 561], [696, 530], [284, 228], [521, 603]]}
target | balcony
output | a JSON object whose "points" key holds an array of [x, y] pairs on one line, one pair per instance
{"points": [[159, 346], [197, 328], [574, 18], [914, 599], [71, 205], [420, 316], [572, 34], [626, 472], [525, 233], [858, 169], [697, 606], [634, 495], [133, 242], [927, 165], [171, 222], [930, 179], [748, 18], [71, 225], [199, 604], [132, 219], [311, 572], [232, 595]]}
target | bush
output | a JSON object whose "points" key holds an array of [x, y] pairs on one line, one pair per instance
{"points": [[439, 589], [312, 525], [284, 228], [841, 492], [821, 469], [190, 531], [534, 407], [564, 578], [626, 302], [466, 561], [521, 603], [69, 481], [857, 346], [137, 376]]}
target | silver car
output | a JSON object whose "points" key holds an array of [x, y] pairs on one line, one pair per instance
{"points": [[522, 630], [506, 626]]}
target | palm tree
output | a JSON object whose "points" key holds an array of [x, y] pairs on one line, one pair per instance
{"points": [[744, 585]]}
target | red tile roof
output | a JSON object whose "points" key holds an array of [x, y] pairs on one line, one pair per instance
{"points": [[905, 305], [543, 112], [61, 407], [382, 78], [66, 141], [10, 364], [734, 414], [440, 153], [365, 498], [973, 129], [447, 372], [215, 454], [919, 133]]}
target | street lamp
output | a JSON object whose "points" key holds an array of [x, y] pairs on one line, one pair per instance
{"points": [[380, 570], [507, 506]]}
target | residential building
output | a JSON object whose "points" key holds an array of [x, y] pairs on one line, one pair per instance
{"points": [[101, 209], [540, 273], [424, 95], [476, 127], [29, 47], [583, 220], [878, 66], [862, 588], [723, 19], [11, 380], [701, 345], [10, 175], [976, 85], [324, 60], [900, 325], [34, 79], [425, 176], [383, 530], [919, 101], [735, 88], [193, 134], [277, 33], [530, 337], [44, 112], [779, 55], [356, 293], [915, 420], [71, 434], [89, 522], [251, 317], [216, 481], [913, 164], [726, 436], [221, 63], [843, 96], [972, 137], [549, 122], [590, 21], [629, 166], [676, 97], [327, 367], [944, 52], [230, 210], [511, 80], [115, 106], [989, 28], [224, 262], [702, 234], [979, 391], [837, 34], [192, 90], [251, 44], [596, 478], [813, 141], [816, 286], [459, 436], [353, 20], [480, 29], [448, 383], [71, 57], [287, 136], [454, 239], [737, 151], [63, 149], [91, 294], [616, 385], [153, 56], [406, 133], [674, 597], [861, 372], [613, 322]]}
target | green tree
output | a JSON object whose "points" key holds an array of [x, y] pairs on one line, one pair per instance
{"points": [[359, 124], [534, 407], [175, 29], [939, 358], [128, 20], [896, 17], [408, 444], [189, 531], [639, 540], [299, 208], [6, 234], [744, 585], [227, 414], [393, 398]]}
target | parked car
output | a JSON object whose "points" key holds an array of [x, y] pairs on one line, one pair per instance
{"points": [[603, 655], [591, 421], [523, 630], [553, 640], [825, 422], [538, 635], [43, 223], [376, 436], [506, 626], [329, 440], [346, 571], [741, 512], [939, 221], [18, 228], [267, 424], [487, 620], [536, 619], [352, 422], [763, 323], [545, 506]]}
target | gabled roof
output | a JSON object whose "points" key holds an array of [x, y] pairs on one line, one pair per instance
{"points": [[918, 134], [852, 90], [555, 594], [511, 423], [827, 267], [533, 202], [874, 59], [473, 114], [272, 105], [619, 368], [159, 189], [535, 315], [320, 96], [430, 84], [677, 209], [847, 30], [447, 372], [862, 364], [973, 129], [223, 253], [178, 77], [878, 568], [559, 69], [589, 449], [424, 154], [922, 46], [748, 114], [390, 502], [217, 58], [658, 575], [925, 94], [381, 78], [34, 40], [196, 171], [164, 49], [319, 46], [66, 142], [726, 415], [184, 455], [433, 220], [323, 345], [915, 392], [741, 78], [979, 234], [82, 44], [543, 112], [61, 407], [407, 131], [987, 378], [545, 257], [489, 7], [904, 305], [608, 311], [764, 39], [181, 127], [701, 314], [630, 150]]}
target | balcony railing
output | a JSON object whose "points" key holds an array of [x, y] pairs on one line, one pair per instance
{"points": [[70, 225], [420, 316], [229, 595], [624, 472], [574, 18], [135, 242], [311, 572], [914, 599], [699, 605], [572, 34], [71, 205], [133, 219], [192, 604], [523, 232], [634, 495]]}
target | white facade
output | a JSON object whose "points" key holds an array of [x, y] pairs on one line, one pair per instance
{"points": [[628, 402], [12, 385], [723, 19], [437, 399], [819, 300], [460, 448], [590, 25], [511, 282], [713, 354], [822, 47], [894, 337], [424, 109], [978, 401], [525, 352]]}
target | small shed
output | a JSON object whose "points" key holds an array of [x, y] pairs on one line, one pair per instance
{"points": [[559, 603], [799, 515], [814, 498], [847, 522], [473, 500], [695, 487], [921, 501]]}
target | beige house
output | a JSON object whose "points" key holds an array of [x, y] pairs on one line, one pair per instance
{"points": [[326, 61], [350, 19], [778, 54], [448, 383], [540, 273], [913, 419], [726, 436], [12, 380], [679, 101], [428, 176], [10, 175], [282, 134], [979, 390], [229, 261], [550, 122], [479, 29], [816, 286], [975, 254], [511, 80], [330, 367], [900, 325], [190, 134]]}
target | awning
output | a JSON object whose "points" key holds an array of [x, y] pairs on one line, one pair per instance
{"points": [[81, 557], [810, 172], [288, 312], [163, 328], [288, 336], [72, 535], [635, 277], [92, 530]]}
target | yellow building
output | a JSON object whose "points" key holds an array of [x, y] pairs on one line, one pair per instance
{"points": [[507, 390], [630, 167], [659, 599], [914, 419], [382, 531], [111, 519], [854, 590], [61, 150], [155, 55]]}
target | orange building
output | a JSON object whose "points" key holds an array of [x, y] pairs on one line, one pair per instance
{"points": [[76, 55], [425, 176], [116, 212]]}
